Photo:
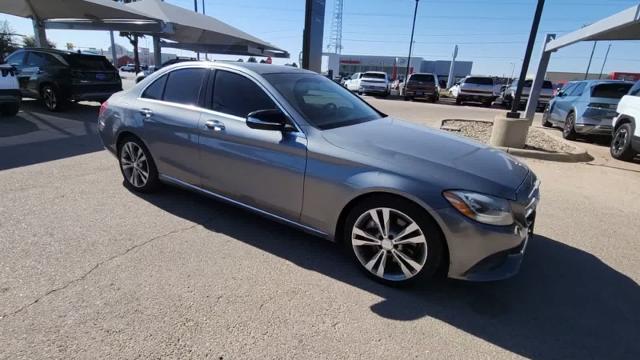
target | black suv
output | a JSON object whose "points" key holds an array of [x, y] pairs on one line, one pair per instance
{"points": [[57, 76]]}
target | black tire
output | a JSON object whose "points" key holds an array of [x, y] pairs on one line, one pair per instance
{"points": [[569, 130], [621, 148], [52, 98], [132, 180], [487, 103], [406, 98], [545, 118], [394, 275], [10, 109], [507, 104], [458, 101]]}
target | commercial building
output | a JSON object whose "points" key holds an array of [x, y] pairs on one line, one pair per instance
{"points": [[563, 77], [394, 66]]}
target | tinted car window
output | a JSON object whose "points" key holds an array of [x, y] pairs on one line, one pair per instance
{"points": [[611, 91], [374, 76], [155, 90], [322, 102], [422, 78], [577, 91], [236, 95], [36, 59], [479, 81], [88, 62], [183, 86], [635, 90], [15, 59]]}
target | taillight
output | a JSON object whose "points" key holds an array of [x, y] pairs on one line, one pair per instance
{"points": [[103, 108], [602, 106]]}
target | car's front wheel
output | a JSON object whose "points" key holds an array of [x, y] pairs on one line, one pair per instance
{"points": [[137, 166], [621, 144], [569, 130], [395, 241], [52, 98]]}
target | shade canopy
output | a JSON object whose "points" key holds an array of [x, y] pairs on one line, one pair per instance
{"points": [[70, 9], [198, 32], [624, 25]]}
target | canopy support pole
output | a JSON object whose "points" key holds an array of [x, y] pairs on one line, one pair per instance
{"points": [[157, 51], [114, 55], [536, 86], [39, 33], [312, 35]]}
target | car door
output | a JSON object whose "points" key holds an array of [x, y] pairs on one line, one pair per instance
{"points": [[261, 168], [567, 103], [169, 109], [557, 112], [17, 61]]}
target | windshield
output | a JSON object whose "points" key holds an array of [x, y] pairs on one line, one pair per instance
{"points": [[479, 81], [374, 76], [322, 102], [611, 91], [422, 78], [88, 62]]}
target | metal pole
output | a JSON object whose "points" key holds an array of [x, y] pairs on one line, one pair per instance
{"points": [[452, 67], [114, 55], [312, 35], [195, 8], [513, 70], [586, 73], [413, 27], [203, 10], [538, 80], [604, 62], [514, 114]]}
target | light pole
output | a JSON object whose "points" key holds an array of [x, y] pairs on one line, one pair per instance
{"points": [[514, 114], [586, 73], [604, 62], [413, 27], [195, 8], [513, 70]]}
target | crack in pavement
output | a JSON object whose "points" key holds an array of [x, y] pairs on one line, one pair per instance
{"points": [[96, 266]]}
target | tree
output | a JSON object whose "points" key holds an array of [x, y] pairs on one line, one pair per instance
{"points": [[133, 40], [30, 41], [7, 43]]}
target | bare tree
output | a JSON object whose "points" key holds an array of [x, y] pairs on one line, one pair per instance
{"points": [[7, 43], [133, 40]]}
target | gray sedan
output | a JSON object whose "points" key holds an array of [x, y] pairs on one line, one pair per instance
{"points": [[289, 144]]}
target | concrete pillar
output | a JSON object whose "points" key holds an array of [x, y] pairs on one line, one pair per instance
{"points": [[157, 51], [39, 33], [114, 55], [534, 93], [452, 67], [509, 132], [312, 35]]}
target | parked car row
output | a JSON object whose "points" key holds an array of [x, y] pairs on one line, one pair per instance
{"points": [[58, 77]]}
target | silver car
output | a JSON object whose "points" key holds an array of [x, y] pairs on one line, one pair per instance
{"points": [[289, 144]]}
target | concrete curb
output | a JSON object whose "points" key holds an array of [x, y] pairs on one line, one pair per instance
{"points": [[577, 155]]}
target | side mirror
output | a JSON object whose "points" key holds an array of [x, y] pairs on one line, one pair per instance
{"points": [[272, 119]]}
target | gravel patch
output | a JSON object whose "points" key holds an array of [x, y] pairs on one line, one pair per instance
{"points": [[481, 131]]}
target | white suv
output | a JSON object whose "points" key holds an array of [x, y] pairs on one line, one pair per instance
{"points": [[474, 88], [9, 91], [626, 132], [370, 82]]}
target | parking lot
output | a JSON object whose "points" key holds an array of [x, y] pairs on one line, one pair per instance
{"points": [[92, 270]]}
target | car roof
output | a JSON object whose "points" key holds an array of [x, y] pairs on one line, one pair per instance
{"points": [[260, 69], [57, 51]]}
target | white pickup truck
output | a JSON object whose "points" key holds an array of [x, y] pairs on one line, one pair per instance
{"points": [[475, 88], [10, 96]]}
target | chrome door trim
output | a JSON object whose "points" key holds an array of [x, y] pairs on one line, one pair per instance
{"points": [[186, 185]]}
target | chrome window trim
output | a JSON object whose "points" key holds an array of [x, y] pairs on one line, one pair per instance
{"points": [[241, 204]]}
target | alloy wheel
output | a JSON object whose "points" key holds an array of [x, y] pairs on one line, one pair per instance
{"points": [[389, 244], [568, 125], [135, 165], [620, 141], [49, 97]]}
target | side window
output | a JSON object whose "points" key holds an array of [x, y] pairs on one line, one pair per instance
{"points": [[15, 59], [155, 90], [237, 95], [577, 91], [183, 86], [635, 90], [36, 59]]}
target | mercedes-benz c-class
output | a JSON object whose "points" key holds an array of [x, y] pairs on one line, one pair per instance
{"points": [[406, 201]]}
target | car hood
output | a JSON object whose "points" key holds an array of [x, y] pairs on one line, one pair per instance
{"points": [[434, 156]]}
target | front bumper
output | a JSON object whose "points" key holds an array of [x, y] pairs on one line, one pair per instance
{"points": [[480, 97], [421, 93]]}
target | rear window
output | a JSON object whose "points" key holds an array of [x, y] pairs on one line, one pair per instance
{"points": [[527, 83], [88, 62], [422, 78], [479, 81], [374, 76], [611, 91]]}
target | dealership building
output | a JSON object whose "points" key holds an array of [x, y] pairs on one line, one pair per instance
{"points": [[348, 64]]}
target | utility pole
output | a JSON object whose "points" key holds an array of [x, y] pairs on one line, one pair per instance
{"points": [[452, 67], [586, 73], [604, 62], [514, 114], [195, 8], [413, 28]]}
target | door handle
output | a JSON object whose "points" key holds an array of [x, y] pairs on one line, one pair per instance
{"points": [[214, 125], [146, 112]]}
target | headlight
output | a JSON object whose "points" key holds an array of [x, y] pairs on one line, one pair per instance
{"points": [[482, 208]]}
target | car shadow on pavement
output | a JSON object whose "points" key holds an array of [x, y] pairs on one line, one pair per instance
{"points": [[565, 303], [36, 135]]}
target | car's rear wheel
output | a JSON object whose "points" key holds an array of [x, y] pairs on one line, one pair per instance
{"points": [[137, 166], [569, 130], [52, 98], [545, 117], [621, 144], [395, 241], [458, 101]]}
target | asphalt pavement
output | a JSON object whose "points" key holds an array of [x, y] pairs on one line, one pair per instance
{"points": [[89, 269]]}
